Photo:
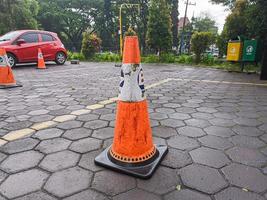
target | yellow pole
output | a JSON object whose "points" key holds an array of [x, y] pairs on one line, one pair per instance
{"points": [[121, 39]]}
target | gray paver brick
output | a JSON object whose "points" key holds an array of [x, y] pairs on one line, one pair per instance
{"points": [[48, 133], [77, 133], [247, 156], [163, 131], [209, 157], [247, 131], [87, 117], [182, 143], [219, 131], [21, 161], [176, 159], [186, 194], [103, 133], [174, 123], [70, 125], [36, 196], [120, 183], [249, 142], [87, 161], [191, 131], [87, 195], [95, 124], [22, 183], [53, 145], [164, 180], [215, 142], [68, 181], [202, 178], [233, 193], [246, 177], [85, 145], [200, 123], [136, 194], [19, 145], [60, 160]]}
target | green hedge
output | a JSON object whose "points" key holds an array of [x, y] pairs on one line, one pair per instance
{"points": [[207, 60]]}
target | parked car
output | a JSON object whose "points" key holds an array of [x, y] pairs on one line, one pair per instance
{"points": [[22, 46]]}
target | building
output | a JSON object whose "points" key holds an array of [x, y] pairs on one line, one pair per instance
{"points": [[181, 23]]}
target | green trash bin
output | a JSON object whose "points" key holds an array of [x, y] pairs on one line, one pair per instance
{"points": [[251, 51]]}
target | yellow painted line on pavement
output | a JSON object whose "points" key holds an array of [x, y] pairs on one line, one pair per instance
{"points": [[80, 112], [15, 135], [43, 125], [2, 142], [222, 82], [64, 118], [95, 106]]}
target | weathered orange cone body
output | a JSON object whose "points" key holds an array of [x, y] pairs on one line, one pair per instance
{"points": [[41, 62], [132, 151], [133, 136], [6, 74]]}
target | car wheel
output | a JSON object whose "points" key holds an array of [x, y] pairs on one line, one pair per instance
{"points": [[12, 60], [60, 58]]}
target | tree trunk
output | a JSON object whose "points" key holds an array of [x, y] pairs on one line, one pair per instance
{"points": [[264, 63], [174, 16]]}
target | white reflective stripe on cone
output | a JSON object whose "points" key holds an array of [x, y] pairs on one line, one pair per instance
{"points": [[4, 61], [132, 83]]}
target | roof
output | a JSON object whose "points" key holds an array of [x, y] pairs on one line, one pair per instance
{"points": [[181, 22]]}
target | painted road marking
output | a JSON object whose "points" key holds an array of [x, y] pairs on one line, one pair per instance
{"points": [[14, 135], [221, 82]]}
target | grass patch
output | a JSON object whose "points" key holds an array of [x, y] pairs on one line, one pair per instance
{"points": [[207, 61]]}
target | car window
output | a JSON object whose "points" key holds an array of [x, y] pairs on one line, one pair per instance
{"points": [[9, 36], [47, 38], [30, 37]]}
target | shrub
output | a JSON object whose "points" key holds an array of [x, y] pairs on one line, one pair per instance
{"points": [[167, 58], [150, 59], [187, 59], [106, 57], [75, 56], [90, 44], [200, 42], [208, 59]]}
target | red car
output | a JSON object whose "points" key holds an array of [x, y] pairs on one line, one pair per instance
{"points": [[22, 46]]}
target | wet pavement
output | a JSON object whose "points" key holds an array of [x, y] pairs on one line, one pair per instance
{"points": [[214, 123]]}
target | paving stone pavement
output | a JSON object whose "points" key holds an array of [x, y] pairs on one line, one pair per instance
{"points": [[214, 123]]}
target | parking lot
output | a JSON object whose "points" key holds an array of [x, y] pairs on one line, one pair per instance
{"points": [[214, 123]]}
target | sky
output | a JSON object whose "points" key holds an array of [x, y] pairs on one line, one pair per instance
{"points": [[217, 12]]}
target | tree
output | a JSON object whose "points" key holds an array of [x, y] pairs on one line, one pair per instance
{"points": [[159, 36], [174, 16], [105, 25], [204, 23], [200, 41], [69, 18], [18, 14], [90, 44], [229, 3], [221, 43]]}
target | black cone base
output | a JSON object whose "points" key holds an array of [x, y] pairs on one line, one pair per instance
{"points": [[141, 171], [10, 86]]}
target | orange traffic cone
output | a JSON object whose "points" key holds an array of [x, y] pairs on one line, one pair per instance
{"points": [[41, 63], [6, 75], [132, 151]]}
